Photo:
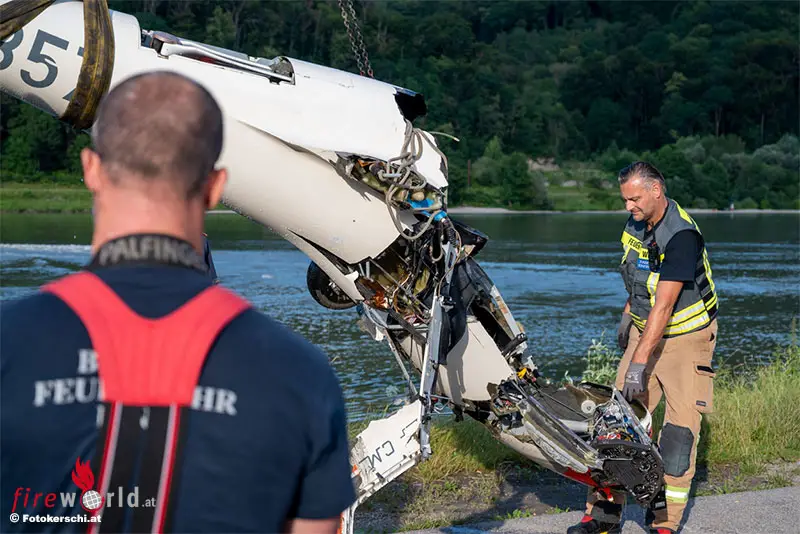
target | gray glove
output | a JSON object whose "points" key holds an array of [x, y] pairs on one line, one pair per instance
{"points": [[634, 380], [624, 331]]}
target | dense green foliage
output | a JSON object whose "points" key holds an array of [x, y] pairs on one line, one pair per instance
{"points": [[707, 90]]}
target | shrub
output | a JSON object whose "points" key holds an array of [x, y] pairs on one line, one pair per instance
{"points": [[601, 363]]}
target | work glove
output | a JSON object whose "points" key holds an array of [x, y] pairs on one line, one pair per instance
{"points": [[634, 381], [624, 331]]}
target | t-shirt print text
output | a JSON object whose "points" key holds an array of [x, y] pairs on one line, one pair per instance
{"points": [[87, 387]]}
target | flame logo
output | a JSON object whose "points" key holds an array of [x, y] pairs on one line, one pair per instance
{"points": [[82, 475]]}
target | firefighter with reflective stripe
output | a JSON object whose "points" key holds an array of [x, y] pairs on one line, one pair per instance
{"points": [[139, 380], [668, 333]]}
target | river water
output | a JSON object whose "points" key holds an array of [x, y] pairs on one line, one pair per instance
{"points": [[556, 271]]}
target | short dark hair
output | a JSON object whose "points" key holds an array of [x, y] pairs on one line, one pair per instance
{"points": [[646, 171], [159, 126]]}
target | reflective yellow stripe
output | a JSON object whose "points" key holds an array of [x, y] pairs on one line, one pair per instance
{"points": [[625, 250], [652, 282], [676, 494], [631, 242], [676, 489], [690, 324], [701, 320], [685, 320], [686, 313], [685, 216], [697, 322]]}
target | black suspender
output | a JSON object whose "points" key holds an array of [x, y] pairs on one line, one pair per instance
{"points": [[139, 447]]}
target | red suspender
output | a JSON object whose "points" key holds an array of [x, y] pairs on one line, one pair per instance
{"points": [[147, 368]]}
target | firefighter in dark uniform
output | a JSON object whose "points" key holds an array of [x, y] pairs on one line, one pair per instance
{"points": [[163, 401]]}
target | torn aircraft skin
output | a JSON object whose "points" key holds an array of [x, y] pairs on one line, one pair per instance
{"points": [[331, 161]]}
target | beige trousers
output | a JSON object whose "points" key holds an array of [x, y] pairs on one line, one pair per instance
{"points": [[680, 370]]}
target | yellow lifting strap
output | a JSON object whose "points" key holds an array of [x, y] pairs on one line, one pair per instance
{"points": [[97, 67]]}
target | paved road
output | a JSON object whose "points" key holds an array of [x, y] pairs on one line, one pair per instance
{"points": [[774, 511]]}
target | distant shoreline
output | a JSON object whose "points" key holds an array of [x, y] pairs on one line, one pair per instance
{"points": [[24, 198], [475, 210]]}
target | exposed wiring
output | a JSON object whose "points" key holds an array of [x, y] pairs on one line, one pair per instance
{"points": [[398, 173]]}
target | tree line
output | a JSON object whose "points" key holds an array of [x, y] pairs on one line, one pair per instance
{"points": [[708, 90]]}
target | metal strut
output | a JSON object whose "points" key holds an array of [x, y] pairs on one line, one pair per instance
{"points": [[389, 447]]}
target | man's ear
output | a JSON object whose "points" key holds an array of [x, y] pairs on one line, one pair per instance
{"points": [[215, 188], [93, 176]]}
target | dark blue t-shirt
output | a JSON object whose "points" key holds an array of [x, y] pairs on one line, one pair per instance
{"points": [[266, 437]]}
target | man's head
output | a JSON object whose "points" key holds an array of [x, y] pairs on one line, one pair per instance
{"points": [[156, 139], [644, 191]]}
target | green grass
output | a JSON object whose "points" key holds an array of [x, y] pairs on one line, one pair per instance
{"points": [[465, 448], [571, 199], [516, 514], [48, 197], [44, 198], [757, 413]]}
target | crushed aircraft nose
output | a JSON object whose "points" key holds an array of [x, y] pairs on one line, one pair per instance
{"points": [[630, 459]]}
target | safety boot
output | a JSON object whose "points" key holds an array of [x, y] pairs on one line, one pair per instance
{"points": [[590, 525], [650, 518]]}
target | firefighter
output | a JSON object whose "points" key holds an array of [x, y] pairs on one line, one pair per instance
{"points": [[668, 333], [164, 401]]}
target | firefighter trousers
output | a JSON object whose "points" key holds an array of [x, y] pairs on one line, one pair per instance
{"points": [[679, 369]]}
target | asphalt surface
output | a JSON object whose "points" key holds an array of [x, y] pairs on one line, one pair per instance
{"points": [[752, 512]]}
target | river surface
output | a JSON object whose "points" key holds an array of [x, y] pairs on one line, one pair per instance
{"points": [[557, 272]]}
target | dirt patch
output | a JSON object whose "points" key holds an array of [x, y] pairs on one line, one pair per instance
{"points": [[514, 492]]}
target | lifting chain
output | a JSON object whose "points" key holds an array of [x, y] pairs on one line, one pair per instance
{"points": [[356, 41]]}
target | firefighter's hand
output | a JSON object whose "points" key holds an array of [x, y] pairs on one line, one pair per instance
{"points": [[634, 380], [624, 331]]}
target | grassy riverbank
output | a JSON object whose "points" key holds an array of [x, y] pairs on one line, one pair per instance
{"points": [[59, 197], [752, 441], [44, 197], [69, 195]]}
